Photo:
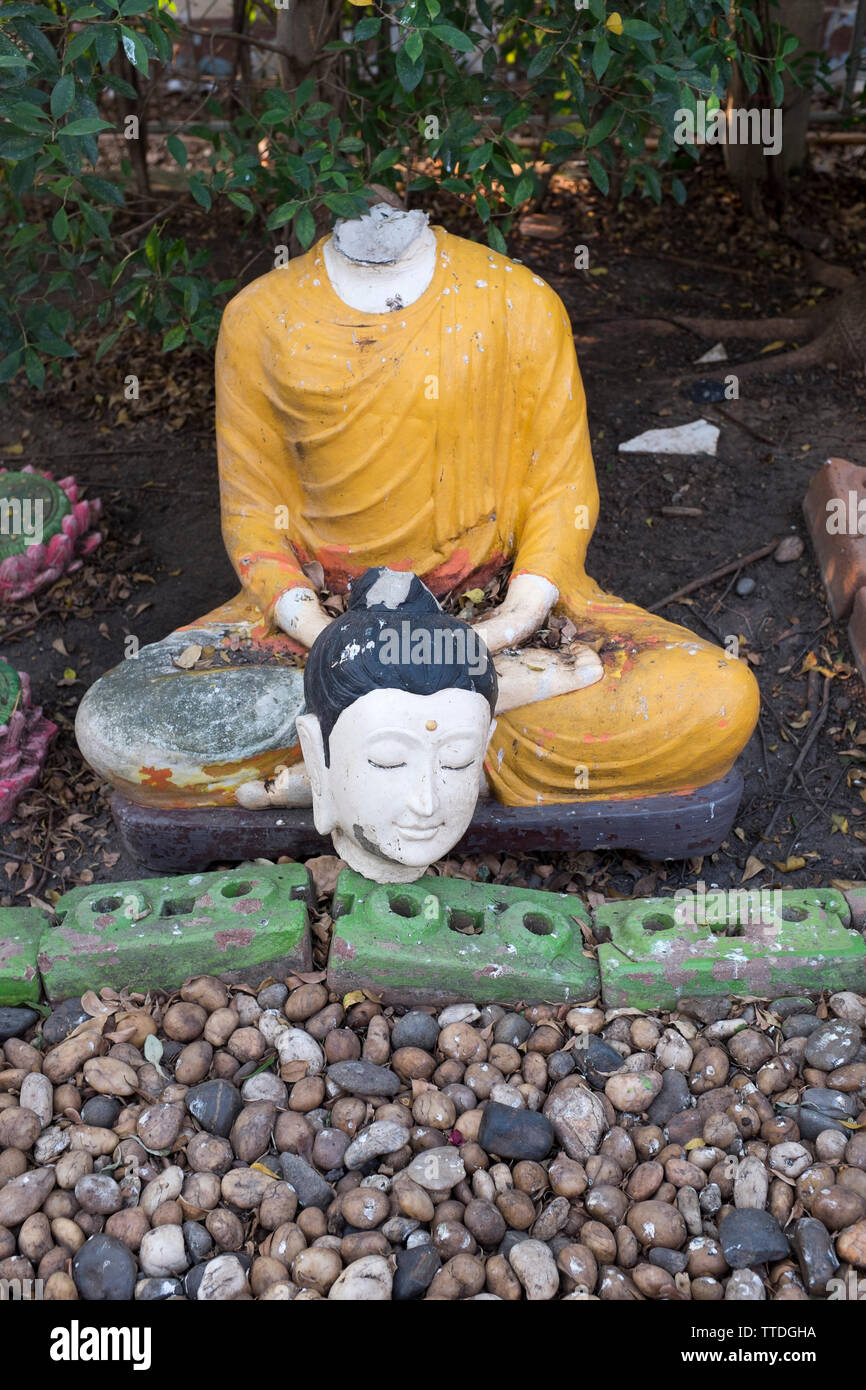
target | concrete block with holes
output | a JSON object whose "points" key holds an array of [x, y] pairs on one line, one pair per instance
{"points": [[762, 942], [20, 932], [244, 925], [443, 940]]}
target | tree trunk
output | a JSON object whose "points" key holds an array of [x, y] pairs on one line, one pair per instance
{"points": [[752, 172]]}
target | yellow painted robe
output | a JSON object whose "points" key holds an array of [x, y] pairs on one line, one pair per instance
{"points": [[446, 438]]}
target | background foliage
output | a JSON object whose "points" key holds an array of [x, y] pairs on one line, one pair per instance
{"points": [[417, 93]]}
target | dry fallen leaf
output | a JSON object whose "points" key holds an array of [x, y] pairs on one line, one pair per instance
{"points": [[753, 867], [188, 657], [789, 865]]}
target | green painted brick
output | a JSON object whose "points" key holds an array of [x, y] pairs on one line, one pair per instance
{"points": [[440, 940], [658, 950], [20, 930], [243, 925]]}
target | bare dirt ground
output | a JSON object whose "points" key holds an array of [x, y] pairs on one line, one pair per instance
{"points": [[153, 463]]}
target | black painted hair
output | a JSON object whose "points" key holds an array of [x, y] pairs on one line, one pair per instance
{"points": [[392, 619]]}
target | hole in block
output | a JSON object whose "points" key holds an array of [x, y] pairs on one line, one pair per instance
{"points": [[658, 921], [794, 914], [467, 923], [404, 907], [537, 923], [177, 907], [110, 904], [236, 890]]}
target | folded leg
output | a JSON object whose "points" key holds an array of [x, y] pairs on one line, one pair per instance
{"points": [[672, 713]]}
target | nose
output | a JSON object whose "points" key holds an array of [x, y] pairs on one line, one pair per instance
{"points": [[424, 801]]}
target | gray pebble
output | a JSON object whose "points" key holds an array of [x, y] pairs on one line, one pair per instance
{"points": [[833, 1044], [272, 996], [512, 1029], [673, 1097], [310, 1186], [14, 1022], [104, 1270], [800, 1025], [745, 586], [61, 1021], [364, 1078], [101, 1111], [415, 1029]]}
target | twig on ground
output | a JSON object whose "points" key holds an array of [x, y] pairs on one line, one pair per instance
{"points": [[712, 575]]}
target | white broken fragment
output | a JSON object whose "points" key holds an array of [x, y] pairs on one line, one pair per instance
{"points": [[717, 353], [697, 437]]}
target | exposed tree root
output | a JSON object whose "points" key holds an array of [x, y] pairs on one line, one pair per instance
{"points": [[834, 334]]}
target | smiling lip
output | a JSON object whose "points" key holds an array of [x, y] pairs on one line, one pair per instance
{"points": [[418, 832]]}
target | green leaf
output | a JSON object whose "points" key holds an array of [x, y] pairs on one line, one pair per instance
{"points": [[55, 347], [496, 241], [87, 125], [60, 224], [151, 249], [522, 191], [108, 343], [409, 74], [10, 365], [639, 29], [130, 7], [598, 174], [453, 37], [177, 150], [134, 49], [777, 88], [62, 95], [602, 128], [305, 227], [678, 189], [415, 45], [542, 61], [367, 28], [479, 157], [34, 368], [601, 56], [15, 147], [385, 159], [305, 92], [78, 44], [284, 213], [241, 200], [653, 182], [95, 221], [174, 337], [482, 207], [200, 193]]}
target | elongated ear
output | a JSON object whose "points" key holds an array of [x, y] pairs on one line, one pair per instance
{"points": [[313, 748]]}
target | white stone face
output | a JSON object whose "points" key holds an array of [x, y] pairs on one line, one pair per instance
{"points": [[403, 778]]}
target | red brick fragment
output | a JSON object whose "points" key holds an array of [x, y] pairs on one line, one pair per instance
{"points": [[835, 511]]}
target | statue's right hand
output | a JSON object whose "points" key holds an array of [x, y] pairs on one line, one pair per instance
{"points": [[300, 615]]}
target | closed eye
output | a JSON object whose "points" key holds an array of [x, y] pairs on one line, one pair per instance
{"points": [[461, 767], [387, 767]]}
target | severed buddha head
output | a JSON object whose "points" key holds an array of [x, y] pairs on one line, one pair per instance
{"points": [[399, 710]]}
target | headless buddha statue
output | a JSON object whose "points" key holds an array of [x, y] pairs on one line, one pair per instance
{"points": [[402, 397]]}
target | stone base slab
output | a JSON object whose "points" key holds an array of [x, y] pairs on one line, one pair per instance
{"points": [[657, 827]]}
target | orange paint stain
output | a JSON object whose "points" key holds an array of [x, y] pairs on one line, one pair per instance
{"points": [[156, 777]]}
